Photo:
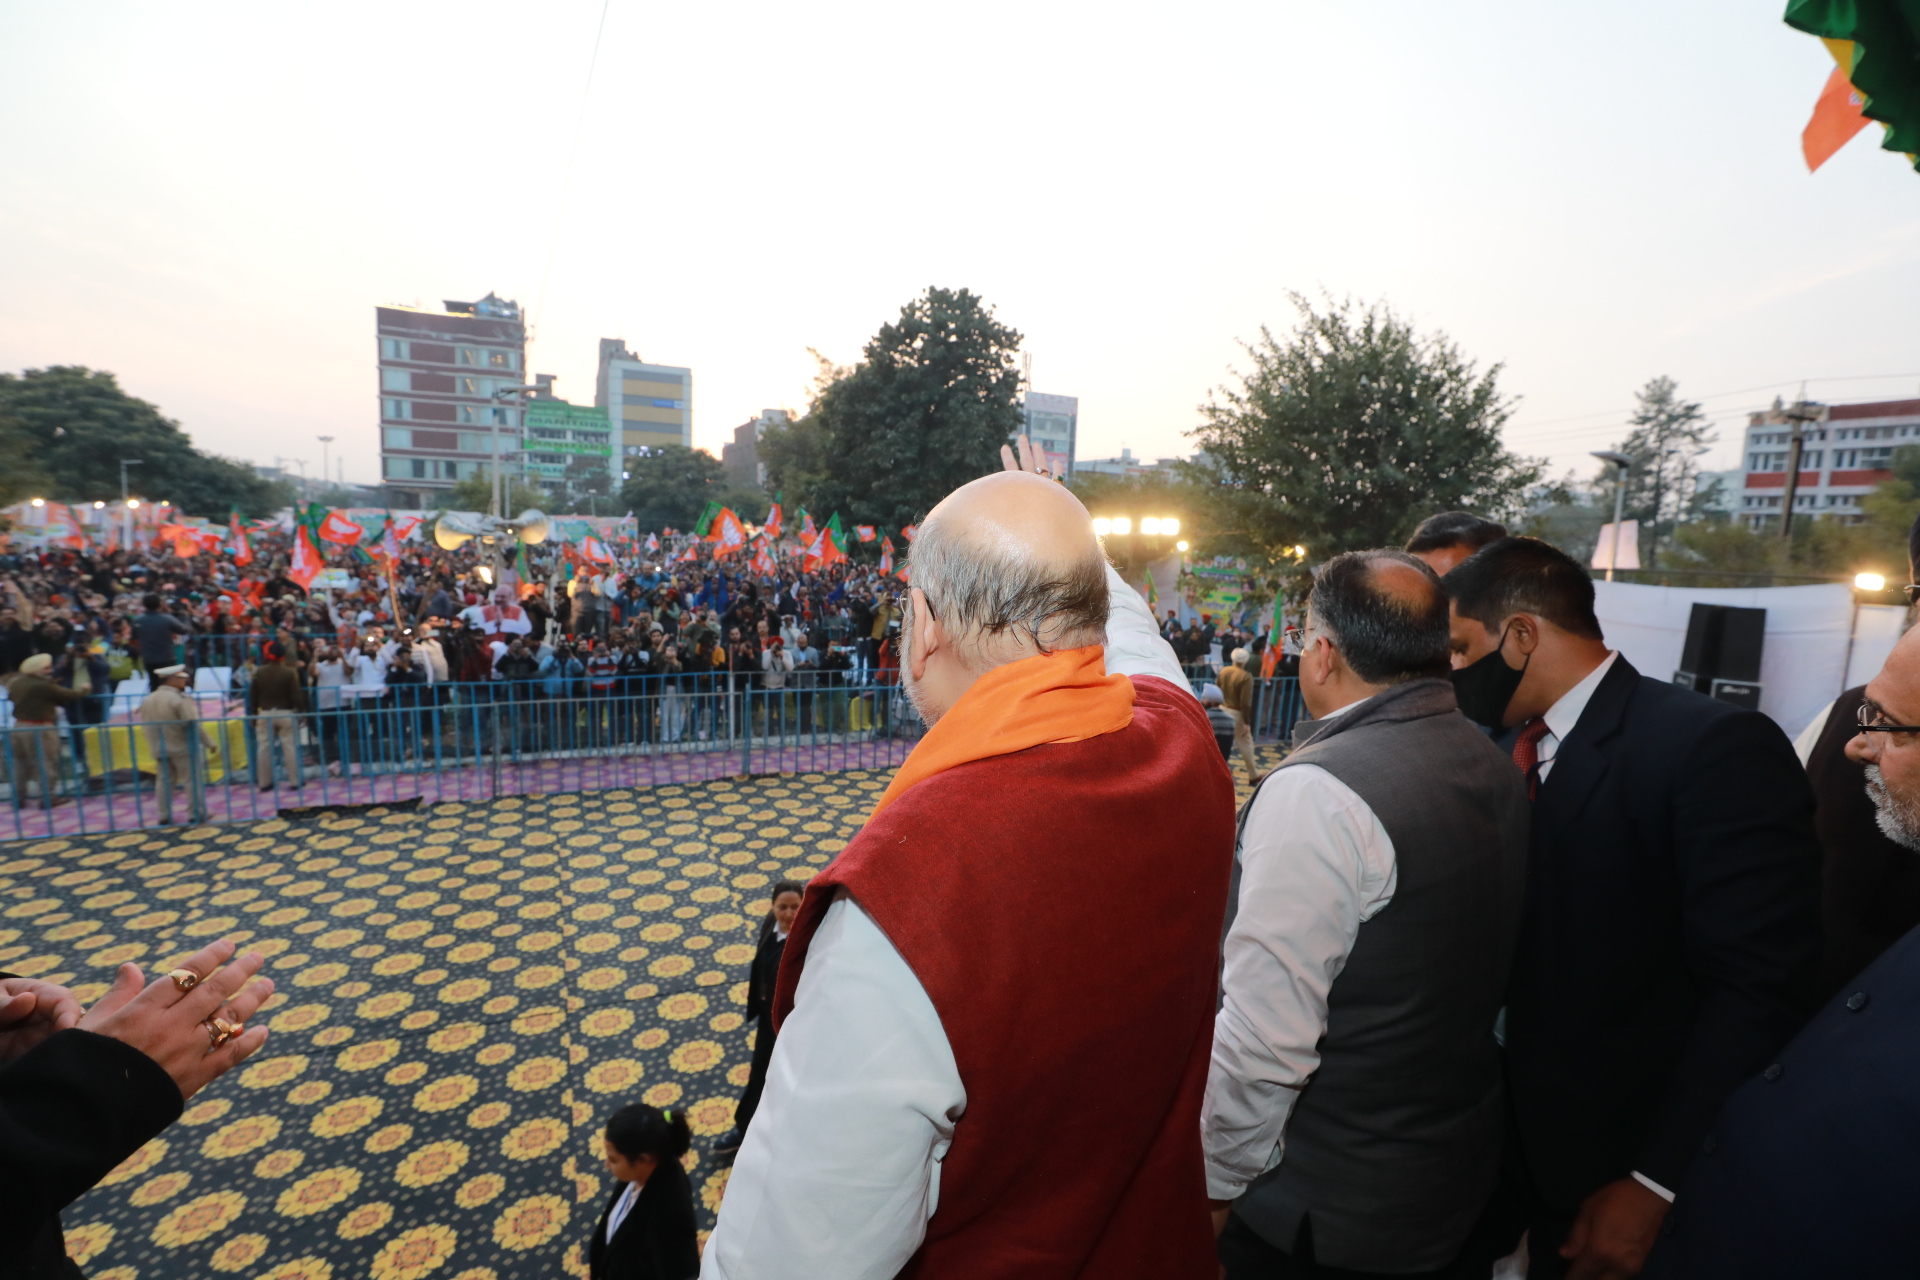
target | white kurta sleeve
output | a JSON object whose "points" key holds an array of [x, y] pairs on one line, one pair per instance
{"points": [[841, 1167], [1134, 645], [1314, 864]]}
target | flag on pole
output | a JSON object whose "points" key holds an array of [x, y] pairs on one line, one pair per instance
{"points": [[773, 523], [910, 532], [306, 559], [1270, 660], [705, 522], [836, 534], [653, 542], [728, 532], [865, 532], [1153, 597], [806, 526], [594, 551], [688, 556], [1837, 117], [390, 542], [242, 547], [336, 528], [905, 574], [886, 555]]}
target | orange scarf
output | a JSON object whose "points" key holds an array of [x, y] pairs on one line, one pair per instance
{"points": [[1064, 696]]}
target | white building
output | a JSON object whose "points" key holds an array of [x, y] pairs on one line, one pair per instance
{"points": [[1845, 454]]}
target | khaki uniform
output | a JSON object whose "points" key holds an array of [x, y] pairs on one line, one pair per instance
{"points": [[173, 735], [1236, 694]]}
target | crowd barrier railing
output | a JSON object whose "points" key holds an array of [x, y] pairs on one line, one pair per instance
{"points": [[466, 742]]}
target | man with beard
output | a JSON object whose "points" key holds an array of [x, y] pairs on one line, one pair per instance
{"points": [[1813, 1167], [979, 1071]]}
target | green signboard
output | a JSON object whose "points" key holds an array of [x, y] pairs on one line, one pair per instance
{"points": [[554, 426]]}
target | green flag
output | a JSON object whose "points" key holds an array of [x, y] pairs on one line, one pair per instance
{"points": [[836, 533], [706, 520], [1883, 47]]}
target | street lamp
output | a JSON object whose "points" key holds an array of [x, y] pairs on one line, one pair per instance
{"points": [[325, 442], [126, 504], [1623, 462], [1869, 582]]}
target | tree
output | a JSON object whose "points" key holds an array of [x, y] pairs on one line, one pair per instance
{"points": [[475, 493], [925, 411], [1348, 432], [1669, 435], [82, 424], [21, 475], [670, 485], [586, 483], [795, 453]]}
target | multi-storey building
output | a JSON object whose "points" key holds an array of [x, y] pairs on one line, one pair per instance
{"points": [[1845, 453], [1124, 465], [561, 440], [742, 457], [647, 404], [439, 420], [1052, 423]]}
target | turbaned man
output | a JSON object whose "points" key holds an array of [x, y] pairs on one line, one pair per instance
{"points": [[997, 1002]]}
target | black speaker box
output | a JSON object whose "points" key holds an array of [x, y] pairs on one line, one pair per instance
{"points": [[1722, 653]]}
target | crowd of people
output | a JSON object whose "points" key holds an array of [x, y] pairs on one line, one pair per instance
{"points": [[1518, 963]]}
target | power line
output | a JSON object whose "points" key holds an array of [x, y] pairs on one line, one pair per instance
{"points": [[1617, 418]]}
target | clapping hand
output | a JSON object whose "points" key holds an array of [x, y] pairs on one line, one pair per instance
{"points": [[30, 1011], [194, 1031]]}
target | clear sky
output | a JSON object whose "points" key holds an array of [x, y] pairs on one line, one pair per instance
{"points": [[210, 200]]}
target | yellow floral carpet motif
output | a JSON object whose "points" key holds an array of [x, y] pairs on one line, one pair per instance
{"points": [[465, 993]]}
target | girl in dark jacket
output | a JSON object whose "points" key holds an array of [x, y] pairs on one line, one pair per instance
{"points": [[647, 1230]]}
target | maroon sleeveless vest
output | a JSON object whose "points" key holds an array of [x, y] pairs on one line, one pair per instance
{"points": [[1062, 908]]}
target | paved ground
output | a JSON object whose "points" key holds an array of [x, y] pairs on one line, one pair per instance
{"points": [[466, 991]]}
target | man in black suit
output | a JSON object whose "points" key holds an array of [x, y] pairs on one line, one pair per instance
{"points": [[1814, 1165], [1670, 930]]}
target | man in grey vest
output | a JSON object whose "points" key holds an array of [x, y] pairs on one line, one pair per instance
{"points": [[1353, 1113]]}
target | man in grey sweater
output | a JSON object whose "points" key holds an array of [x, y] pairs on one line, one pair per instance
{"points": [[1352, 1122]]}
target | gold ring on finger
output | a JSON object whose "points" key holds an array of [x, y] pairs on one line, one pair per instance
{"points": [[185, 979]]}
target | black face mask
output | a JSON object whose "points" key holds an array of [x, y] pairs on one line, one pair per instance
{"points": [[1484, 688]]}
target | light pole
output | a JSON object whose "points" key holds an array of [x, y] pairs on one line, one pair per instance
{"points": [[501, 394], [126, 512], [1623, 462], [325, 442]]}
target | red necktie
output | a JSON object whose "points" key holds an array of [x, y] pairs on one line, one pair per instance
{"points": [[1526, 753]]}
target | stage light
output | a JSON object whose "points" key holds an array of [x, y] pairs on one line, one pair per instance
{"points": [[1869, 582], [1101, 525], [1122, 525], [486, 574], [1169, 526], [133, 503], [98, 506], [1150, 524], [39, 502], [1300, 551], [1180, 545]]}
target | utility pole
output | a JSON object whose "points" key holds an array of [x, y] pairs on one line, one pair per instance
{"points": [[1799, 415], [1622, 462], [325, 441], [126, 512]]}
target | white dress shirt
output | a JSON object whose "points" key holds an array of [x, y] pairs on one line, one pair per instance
{"points": [[840, 1170], [1315, 864], [1564, 714], [621, 1208]]}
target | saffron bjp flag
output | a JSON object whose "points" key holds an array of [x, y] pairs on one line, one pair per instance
{"points": [[336, 528], [905, 574], [704, 525], [306, 559], [1836, 119], [242, 546], [886, 555], [653, 542], [806, 526], [728, 532], [773, 523], [594, 551], [688, 556], [910, 532], [407, 528], [390, 541], [865, 532]]}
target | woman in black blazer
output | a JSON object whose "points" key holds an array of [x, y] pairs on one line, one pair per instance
{"points": [[647, 1230]]}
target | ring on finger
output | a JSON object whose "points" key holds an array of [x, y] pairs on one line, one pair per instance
{"points": [[185, 979], [219, 1030]]}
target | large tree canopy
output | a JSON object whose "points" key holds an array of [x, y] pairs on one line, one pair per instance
{"points": [[1350, 430], [927, 409], [670, 485], [82, 424]]}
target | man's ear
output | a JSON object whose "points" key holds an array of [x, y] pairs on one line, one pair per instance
{"points": [[1526, 630], [925, 638]]}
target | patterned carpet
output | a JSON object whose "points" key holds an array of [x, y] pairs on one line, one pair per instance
{"points": [[466, 992]]}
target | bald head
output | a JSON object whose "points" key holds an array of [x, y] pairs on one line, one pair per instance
{"points": [[1009, 566], [1385, 612]]}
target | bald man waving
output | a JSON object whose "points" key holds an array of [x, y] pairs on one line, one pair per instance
{"points": [[996, 1004]]}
